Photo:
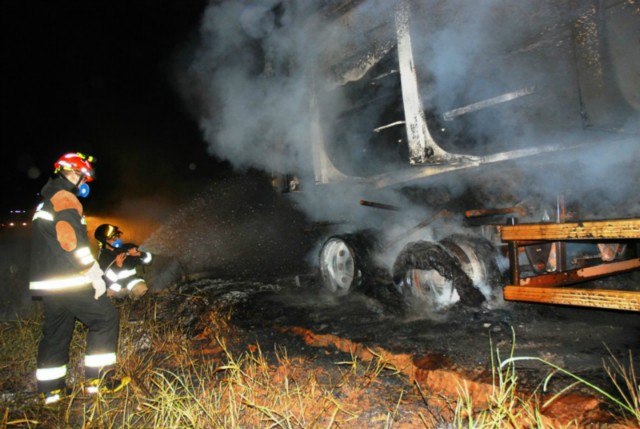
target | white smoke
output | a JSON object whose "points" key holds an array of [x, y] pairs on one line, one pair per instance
{"points": [[260, 64], [257, 113]]}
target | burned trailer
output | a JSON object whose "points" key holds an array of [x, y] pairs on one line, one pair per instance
{"points": [[446, 121]]}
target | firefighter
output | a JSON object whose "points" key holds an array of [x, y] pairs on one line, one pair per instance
{"points": [[68, 279], [119, 261]]}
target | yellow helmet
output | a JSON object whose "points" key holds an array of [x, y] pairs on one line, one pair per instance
{"points": [[106, 232]]}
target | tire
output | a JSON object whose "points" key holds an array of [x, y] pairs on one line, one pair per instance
{"points": [[478, 258], [427, 271], [345, 261]]}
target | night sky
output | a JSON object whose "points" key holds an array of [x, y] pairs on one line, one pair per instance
{"points": [[98, 77]]}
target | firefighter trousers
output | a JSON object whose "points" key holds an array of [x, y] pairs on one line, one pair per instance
{"points": [[60, 313]]}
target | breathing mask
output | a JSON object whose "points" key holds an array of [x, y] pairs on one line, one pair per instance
{"points": [[83, 190]]}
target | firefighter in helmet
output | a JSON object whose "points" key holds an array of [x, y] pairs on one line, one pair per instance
{"points": [[68, 279], [119, 261]]}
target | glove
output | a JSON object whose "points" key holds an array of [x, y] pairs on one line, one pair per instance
{"points": [[95, 277], [120, 259]]}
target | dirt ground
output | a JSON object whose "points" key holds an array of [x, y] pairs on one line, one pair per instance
{"points": [[438, 351]]}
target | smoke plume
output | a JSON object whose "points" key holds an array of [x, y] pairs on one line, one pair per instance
{"points": [[495, 76]]}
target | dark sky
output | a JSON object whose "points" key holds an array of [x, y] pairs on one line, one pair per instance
{"points": [[96, 77]]}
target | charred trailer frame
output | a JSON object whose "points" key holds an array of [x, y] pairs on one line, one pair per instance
{"points": [[601, 69]]}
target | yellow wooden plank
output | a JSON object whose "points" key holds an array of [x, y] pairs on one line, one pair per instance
{"points": [[588, 230], [599, 298]]}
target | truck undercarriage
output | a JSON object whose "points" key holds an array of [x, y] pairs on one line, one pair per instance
{"points": [[547, 108]]}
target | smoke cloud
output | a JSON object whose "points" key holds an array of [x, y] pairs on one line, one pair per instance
{"points": [[495, 76]]}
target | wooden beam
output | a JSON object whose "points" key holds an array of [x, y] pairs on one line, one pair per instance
{"points": [[612, 299], [580, 274], [592, 230]]}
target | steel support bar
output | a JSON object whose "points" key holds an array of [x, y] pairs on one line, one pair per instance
{"points": [[612, 299], [491, 212], [595, 230], [514, 263]]}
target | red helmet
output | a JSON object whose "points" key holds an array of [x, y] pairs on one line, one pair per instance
{"points": [[76, 162]]}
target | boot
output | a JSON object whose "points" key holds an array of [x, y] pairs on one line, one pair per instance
{"points": [[54, 396], [108, 383], [51, 392]]}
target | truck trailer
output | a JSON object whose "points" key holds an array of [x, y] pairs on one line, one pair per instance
{"points": [[454, 151]]}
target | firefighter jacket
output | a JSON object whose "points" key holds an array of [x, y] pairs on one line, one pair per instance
{"points": [[60, 246], [126, 276]]}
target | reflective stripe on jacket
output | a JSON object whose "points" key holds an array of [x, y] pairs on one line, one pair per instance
{"points": [[60, 246], [125, 276]]}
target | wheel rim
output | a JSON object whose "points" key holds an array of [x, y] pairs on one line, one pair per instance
{"points": [[477, 258], [432, 286], [472, 265], [337, 266], [438, 275]]}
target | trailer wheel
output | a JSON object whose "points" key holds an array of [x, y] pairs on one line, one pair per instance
{"points": [[425, 270], [345, 261], [478, 258], [338, 266]]}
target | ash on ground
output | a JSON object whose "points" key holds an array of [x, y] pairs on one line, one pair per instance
{"points": [[463, 339]]}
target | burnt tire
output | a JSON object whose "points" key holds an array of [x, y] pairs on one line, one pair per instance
{"points": [[478, 258], [430, 256], [345, 261]]}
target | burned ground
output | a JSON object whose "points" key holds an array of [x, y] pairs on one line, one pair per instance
{"points": [[461, 345]]}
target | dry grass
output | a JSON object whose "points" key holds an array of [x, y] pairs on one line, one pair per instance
{"points": [[218, 379]]}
